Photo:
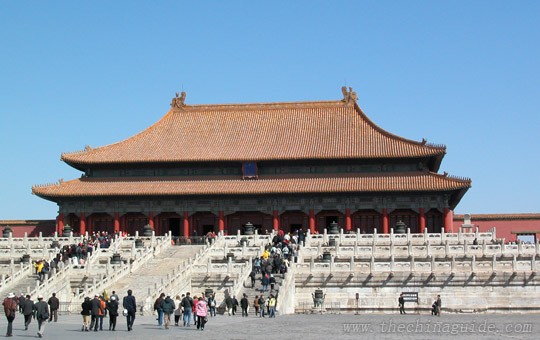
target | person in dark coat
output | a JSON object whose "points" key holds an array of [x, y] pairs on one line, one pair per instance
{"points": [[229, 304], [27, 310], [54, 304], [95, 312], [401, 303], [130, 305], [167, 306], [10, 310], [112, 307], [42, 314], [234, 305], [244, 304], [86, 311]]}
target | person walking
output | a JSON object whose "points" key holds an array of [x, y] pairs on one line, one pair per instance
{"points": [[401, 302], [86, 311], [202, 313], [212, 305], [178, 310], [167, 306], [229, 304], [157, 307], [252, 276], [439, 305], [95, 313], [54, 304], [130, 305], [10, 310], [112, 307], [244, 304], [187, 305], [262, 305], [42, 314], [256, 305], [234, 305], [272, 306], [27, 310]]}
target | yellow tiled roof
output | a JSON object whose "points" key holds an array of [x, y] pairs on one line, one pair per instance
{"points": [[257, 132], [103, 187]]}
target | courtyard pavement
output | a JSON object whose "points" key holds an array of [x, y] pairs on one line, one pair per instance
{"points": [[304, 326]]}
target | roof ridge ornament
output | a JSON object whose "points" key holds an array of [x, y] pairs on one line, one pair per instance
{"points": [[348, 96], [179, 100]]}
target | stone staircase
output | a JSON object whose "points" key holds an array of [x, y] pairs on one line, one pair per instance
{"points": [[24, 285], [153, 274], [251, 292]]}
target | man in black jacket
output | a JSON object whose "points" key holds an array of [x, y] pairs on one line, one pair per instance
{"points": [[131, 306], [244, 303], [54, 304]]}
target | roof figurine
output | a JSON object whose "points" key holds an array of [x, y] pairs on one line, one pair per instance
{"points": [[348, 96], [179, 100]]}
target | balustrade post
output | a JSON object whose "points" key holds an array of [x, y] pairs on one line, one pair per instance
{"points": [[392, 263], [372, 265], [433, 264], [331, 263], [533, 263], [311, 265], [351, 264], [25, 239], [412, 264], [494, 263], [473, 264], [514, 263]]}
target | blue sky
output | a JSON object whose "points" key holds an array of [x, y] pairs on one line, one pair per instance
{"points": [[461, 73]]}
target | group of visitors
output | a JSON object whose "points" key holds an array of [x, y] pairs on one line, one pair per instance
{"points": [[30, 310], [184, 307], [102, 305]]}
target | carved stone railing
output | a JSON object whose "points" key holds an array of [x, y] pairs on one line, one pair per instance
{"points": [[454, 265], [286, 300], [17, 272], [423, 251], [401, 239]]}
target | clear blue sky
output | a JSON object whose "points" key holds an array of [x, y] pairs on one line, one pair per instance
{"points": [[461, 73]]}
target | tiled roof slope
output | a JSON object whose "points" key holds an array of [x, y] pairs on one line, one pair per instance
{"points": [[257, 132], [100, 187]]}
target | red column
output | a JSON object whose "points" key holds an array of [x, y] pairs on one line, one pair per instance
{"points": [[186, 223], [448, 220], [348, 222], [276, 220], [221, 221], [116, 222], [82, 224], [123, 223], [151, 219], [422, 220], [89, 224], [157, 226], [385, 229], [60, 223], [312, 221]]}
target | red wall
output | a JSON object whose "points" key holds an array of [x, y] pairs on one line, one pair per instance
{"points": [[31, 227], [504, 224]]}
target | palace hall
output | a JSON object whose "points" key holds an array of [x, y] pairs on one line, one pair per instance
{"points": [[284, 165]]}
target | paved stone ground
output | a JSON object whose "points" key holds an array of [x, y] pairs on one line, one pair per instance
{"points": [[302, 326]]}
